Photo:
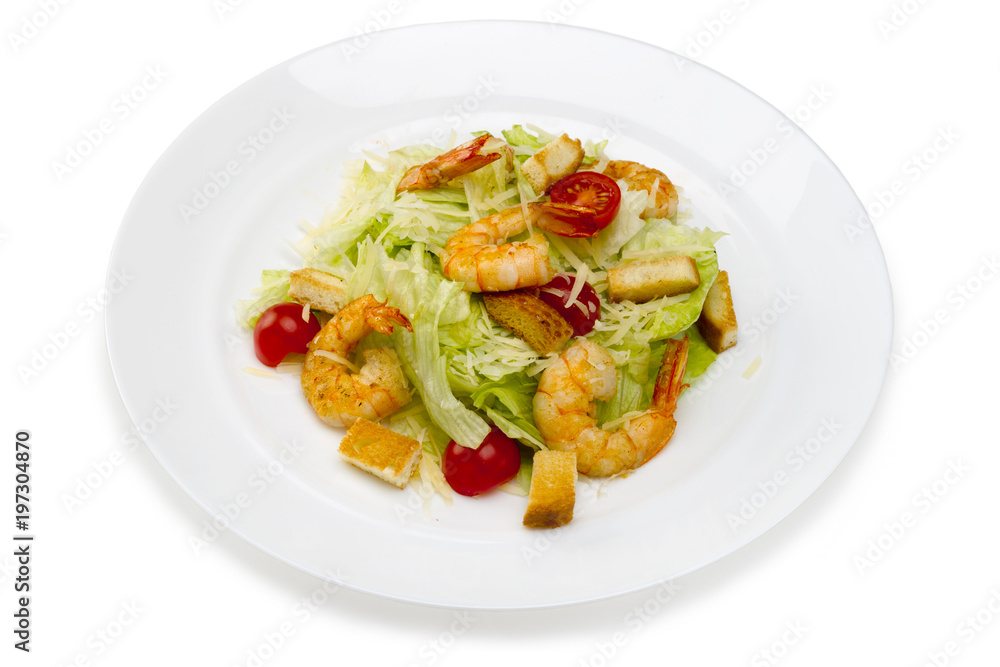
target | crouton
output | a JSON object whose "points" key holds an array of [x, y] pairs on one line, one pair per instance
{"points": [[553, 489], [647, 280], [317, 289], [380, 451], [530, 319], [558, 158], [717, 322]]}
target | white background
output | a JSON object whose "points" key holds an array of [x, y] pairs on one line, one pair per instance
{"points": [[800, 592]]}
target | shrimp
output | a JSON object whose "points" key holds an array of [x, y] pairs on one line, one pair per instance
{"points": [[457, 162], [378, 389], [655, 182], [478, 255], [564, 409]]}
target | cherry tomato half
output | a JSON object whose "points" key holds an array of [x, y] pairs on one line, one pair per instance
{"points": [[473, 471], [591, 189], [583, 314], [568, 220], [281, 331]]}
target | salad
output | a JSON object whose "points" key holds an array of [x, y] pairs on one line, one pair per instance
{"points": [[420, 292]]}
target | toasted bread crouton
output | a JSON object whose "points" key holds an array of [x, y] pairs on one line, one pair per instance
{"points": [[558, 158], [717, 322], [380, 451], [647, 280], [317, 289], [530, 319], [553, 489]]}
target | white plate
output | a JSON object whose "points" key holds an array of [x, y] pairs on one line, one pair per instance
{"points": [[814, 305]]}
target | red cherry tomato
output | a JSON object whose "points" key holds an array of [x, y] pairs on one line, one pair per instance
{"points": [[568, 220], [473, 471], [281, 331], [585, 310], [591, 189]]}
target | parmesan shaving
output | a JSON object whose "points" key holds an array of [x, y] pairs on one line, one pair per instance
{"points": [[624, 419], [406, 413], [602, 160], [430, 472], [752, 368], [298, 251], [581, 279], [326, 354], [629, 323], [495, 201], [250, 370], [375, 157], [565, 251]]}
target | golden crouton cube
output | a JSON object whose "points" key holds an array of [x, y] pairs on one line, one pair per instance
{"points": [[381, 451], [647, 280], [530, 319], [558, 158], [317, 289], [553, 489], [717, 322]]}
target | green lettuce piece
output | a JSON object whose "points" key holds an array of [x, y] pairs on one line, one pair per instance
{"points": [[669, 238], [625, 225], [518, 137], [426, 367], [508, 403], [369, 275], [700, 355], [629, 397], [274, 286], [592, 152], [521, 484], [411, 278], [371, 191]]}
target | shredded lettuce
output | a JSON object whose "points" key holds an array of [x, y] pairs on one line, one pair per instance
{"points": [[508, 403], [521, 484], [700, 355], [523, 142], [426, 369], [273, 290]]}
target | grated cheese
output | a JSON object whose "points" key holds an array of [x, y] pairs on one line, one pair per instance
{"points": [[623, 420], [250, 370], [375, 157], [326, 354], [752, 368], [581, 278], [564, 250], [628, 323], [431, 473], [297, 249]]}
